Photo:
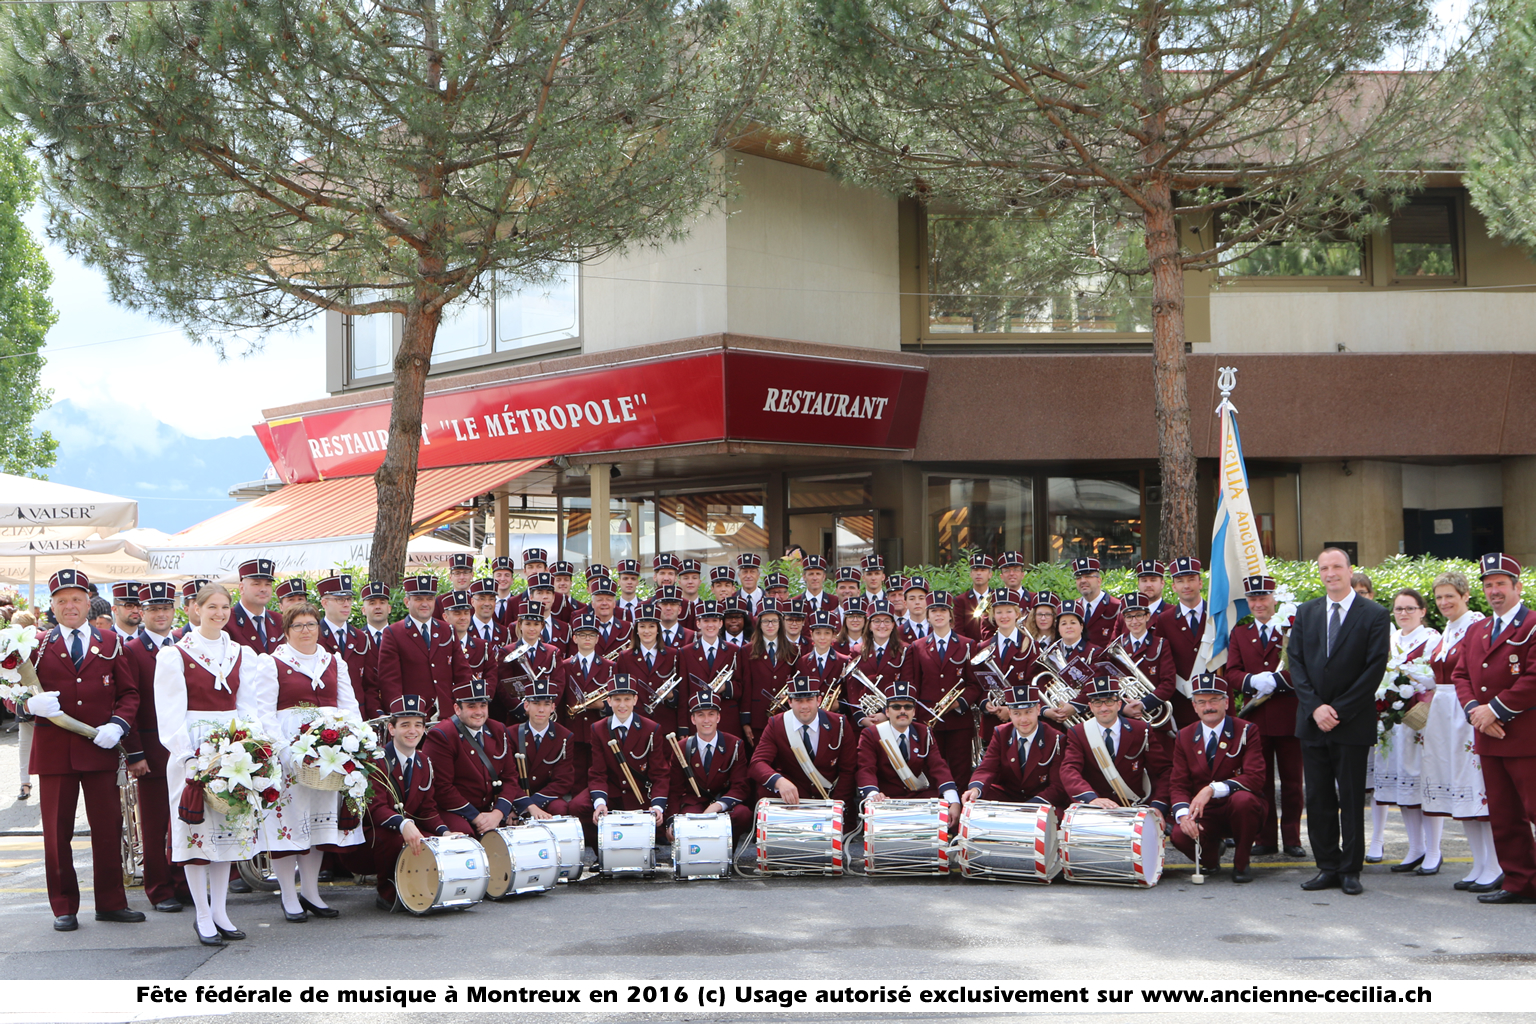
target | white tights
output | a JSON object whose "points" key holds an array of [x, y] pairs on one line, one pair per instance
{"points": [[308, 864], [1485, 862], [209, 884]]}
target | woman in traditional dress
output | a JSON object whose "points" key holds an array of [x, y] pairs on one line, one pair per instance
{"points": [[1399, 756], [305, 823], [203, 682], [1452, 776]]}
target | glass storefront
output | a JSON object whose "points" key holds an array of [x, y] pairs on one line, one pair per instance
{"points": [[992, 514], [1098, 516]]}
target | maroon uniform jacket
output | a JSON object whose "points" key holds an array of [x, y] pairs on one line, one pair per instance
{"points": [[101, 690], [1247, 654], [935, 677], [1154, 657], [405, 666], [689, 618], [1173, 624], [140, 653], [808, 664], [697, 674], [551, 764], [506, 705], [574, 685], [480, 658], [243, 630], [1135, 752], [825, 603], [1239, 761], [618, 636], [466, 783], [558, 633], [499, 634], [508, 609], [967, 622], [764, 680], [875, 770], [651, 676], [1018, 663], [1001, 777], [645, 751], [1501, 674], [362, 664], [836, 758], [566, 608], [394, 803], [726, 780], [909, 634], [881, 667], [682, 636], [1105, 623]]}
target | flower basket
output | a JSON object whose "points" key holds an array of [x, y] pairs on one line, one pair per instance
{"points": [[330, 752], [236, 769], [1417, 717], [1400, 697], [216, 803], [310, 778]]}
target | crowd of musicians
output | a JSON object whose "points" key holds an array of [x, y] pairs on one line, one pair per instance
{"points": [[502, 702]]}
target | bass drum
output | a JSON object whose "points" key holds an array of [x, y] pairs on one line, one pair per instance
{"points": [[1002, 842], [570, 842], [701, 846], [1119, 846], [521, 859], [449, 872], [806, 839]]}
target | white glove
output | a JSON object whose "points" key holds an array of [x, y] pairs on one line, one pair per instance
{"points": [[1262, 683], [44, 705], [108, 735]]}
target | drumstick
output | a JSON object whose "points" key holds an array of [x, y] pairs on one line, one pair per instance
{"points": [[522, 772], [633, 785], [687, 768]]}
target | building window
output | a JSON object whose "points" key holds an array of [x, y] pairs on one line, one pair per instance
{"points": [[519, 317], [992, 514], [1424, 239], [713, 527], [1098, 516], [1317, 257], [371, 345], [1033, 275]]}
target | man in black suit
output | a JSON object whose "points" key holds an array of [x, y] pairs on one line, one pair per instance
{"points": [[1338, 653]]}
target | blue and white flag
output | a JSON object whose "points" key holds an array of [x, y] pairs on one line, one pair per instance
{"points": [[1236, 550]]}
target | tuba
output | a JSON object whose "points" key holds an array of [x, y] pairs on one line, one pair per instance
{"points": [[1056, 688], [132, 848], [1136, 685]]}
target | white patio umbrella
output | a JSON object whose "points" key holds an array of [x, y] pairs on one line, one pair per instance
{"points": [[36, 516]]}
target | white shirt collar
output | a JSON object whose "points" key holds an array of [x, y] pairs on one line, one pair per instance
{"points": [[421, 627], [1344, 602], [1206, 732], [402, 755], [793, 726], [1013, 638], [158, 638], [614, 723], [1023, 740]]}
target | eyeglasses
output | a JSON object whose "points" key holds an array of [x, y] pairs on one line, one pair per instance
{"points": [[303, 625], [901, 707]]}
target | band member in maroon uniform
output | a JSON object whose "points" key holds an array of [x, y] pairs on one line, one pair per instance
{"points": [[664, 571], [872, 574], [749, 571], [1013, 654], [564, 607], [338, 636], [1153, 655], [1496, 683], [1023, 761], [722, 583], [702, 662], [914, 625], [189, 590], [545, 752], [583, 676], [418, 654], [252, 625], [403, 810], [669, 609], [612, 632], [640, 747], [1139, 765], [652, 665], [1011, 566], [164, 880], [541, 591], [813, 574], [482, 595], [474, 772], [127, 613], [505, 606], [900, 758], [1253, 669], [1218, 770], [823, 662], [1183, 626], [461, 573], [1102, 623], [627, 606], [291, 594], [806, 738], [716, 764], [942, 666], [883, 661], [1149, 584], [82, 668], [972, 607], [690, 576], [524, 660], [458, 613], [769, 663]]}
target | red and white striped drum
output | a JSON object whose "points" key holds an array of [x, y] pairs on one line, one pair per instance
{"points": [[1118, 846], [1003, 842], [806, 839]]}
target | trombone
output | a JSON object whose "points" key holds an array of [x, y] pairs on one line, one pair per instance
{"points": [[1135, 686], [1056, 689]]}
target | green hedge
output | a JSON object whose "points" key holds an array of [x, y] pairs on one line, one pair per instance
{"points": [[1299, 577]]}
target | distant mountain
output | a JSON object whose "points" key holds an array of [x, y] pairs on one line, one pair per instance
{"points": [[177, 480]]}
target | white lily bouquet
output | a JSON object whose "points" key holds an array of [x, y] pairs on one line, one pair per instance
{"points": [[235, 771], [1400, 699], [332, 752], [18, 679]]}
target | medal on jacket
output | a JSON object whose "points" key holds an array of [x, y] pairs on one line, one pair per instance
{"points": [[1514, 664]]}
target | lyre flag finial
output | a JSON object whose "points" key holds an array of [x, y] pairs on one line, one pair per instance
{"points": [[1226, 381]]}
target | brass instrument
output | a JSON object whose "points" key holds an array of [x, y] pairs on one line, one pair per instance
{"points": [[1249, 706], [831, 699], [590, 700], [983, 606], [1056, 690], [1135, 685], [948, 701], [133, 828], [779, 701], [613, 655], [872, 704], [520, 655], [722, 678], [662, 693]]}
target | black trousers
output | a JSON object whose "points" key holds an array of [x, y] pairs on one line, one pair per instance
{"points": [[1335, 783]]}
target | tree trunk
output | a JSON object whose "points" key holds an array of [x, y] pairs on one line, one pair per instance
{"points": [[395, 479], [1178, 531]]}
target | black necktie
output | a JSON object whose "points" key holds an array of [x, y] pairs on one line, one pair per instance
{"points": [[1333, 625], [619, 733], [941, 650], [77, 650], [709, 755], [410, 766], [261, 628], [1210, 749], [805, 741], [501, 608], [426, 636], [903, 742], [1109, 741], [650, 660], [709, 656], [1007, 646], [1498, 627], [487, 634], [586, 669], [166, 642], [772, 650]]}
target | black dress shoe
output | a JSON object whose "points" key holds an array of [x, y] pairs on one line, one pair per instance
{"points": [[1407, 866], [318, 911], [230, 934], [1505, 896], [169, 906], [1263, 851], [215, 940], [1351, 885], [1493, 886], [65, 923], [1464, 885], [1242, 876], [1229, 843], [1422, 870], [384, 905], [240, 885], [1321, 880], [1295, 851], [120, 916], [298, 918]]}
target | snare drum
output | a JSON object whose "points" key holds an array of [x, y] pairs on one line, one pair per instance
{"points": [[906, 837], [806, 839], [450, 871], [1004, 842], [626, 843], [521, 858], [1120, 846], [701, 846], [570, 841]]}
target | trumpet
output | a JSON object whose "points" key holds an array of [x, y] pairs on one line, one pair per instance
{"points": [[662, 693], [948, 701], [722, 678], [831, 699], [779, 701], [613, 655], [1136, 685], [589, 701], [983, 606], [1056, 689]]}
